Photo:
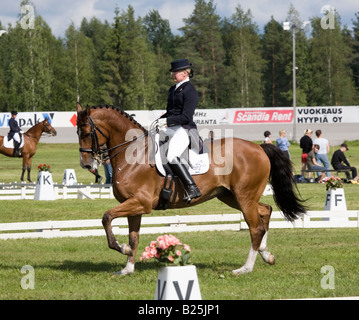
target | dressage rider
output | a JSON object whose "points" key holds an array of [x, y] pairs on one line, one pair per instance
{"points": [[178, 120], [14, 133]]}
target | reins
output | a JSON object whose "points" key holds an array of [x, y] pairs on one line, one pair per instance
{"points": [[96, 149]]}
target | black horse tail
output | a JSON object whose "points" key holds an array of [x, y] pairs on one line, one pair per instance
{"points": [[283, 184]]}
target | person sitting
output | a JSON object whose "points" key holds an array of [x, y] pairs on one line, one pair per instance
{"points": [[267, 138], [178, 121], [339, 161], [313, 164]]}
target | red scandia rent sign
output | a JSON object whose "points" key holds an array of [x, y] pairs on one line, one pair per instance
{"points": [[263, 116]]}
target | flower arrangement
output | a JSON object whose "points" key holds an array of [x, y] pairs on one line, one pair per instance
{"points": [[168, 250], [43, 167], [332, 183]]}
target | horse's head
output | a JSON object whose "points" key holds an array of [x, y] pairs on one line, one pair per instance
{"points": [[90, 141], [48, 128]]}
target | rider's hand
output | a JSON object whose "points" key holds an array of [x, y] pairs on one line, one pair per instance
{"points": [[162, 123]]}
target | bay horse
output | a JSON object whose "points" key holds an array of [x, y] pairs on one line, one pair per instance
{"points": [[31, 139], [137, 186]]}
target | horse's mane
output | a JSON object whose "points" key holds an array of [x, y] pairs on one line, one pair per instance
{"points": [[124, 113]]}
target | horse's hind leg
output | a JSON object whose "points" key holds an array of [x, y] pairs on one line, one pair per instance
{"points": [[265, 212], [256, 227], [257, 230]]}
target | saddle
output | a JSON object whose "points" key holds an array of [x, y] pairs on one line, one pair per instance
{"points": [[195, 156], [10, 143]]}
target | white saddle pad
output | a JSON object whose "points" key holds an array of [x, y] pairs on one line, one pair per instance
{"points": [[10, 144], [199, 163]]}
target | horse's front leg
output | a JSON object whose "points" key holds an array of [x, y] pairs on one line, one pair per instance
{"points": [[29, 169], [133, 209], [134, 223], [23, 173]]}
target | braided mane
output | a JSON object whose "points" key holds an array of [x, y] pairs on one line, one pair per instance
{"points": [[124, 113]]}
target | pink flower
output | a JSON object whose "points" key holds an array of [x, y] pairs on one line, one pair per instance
{"points": [[179, 253], [170, 258], [187, 247]]}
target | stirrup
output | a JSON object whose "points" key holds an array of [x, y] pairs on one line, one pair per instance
{"points": [[192, 192]]}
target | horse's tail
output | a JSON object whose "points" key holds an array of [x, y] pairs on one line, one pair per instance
{"points": [[282, 181]]}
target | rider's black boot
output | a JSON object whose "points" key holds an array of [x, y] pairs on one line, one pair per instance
{"points": [[191, 189], [17, 152]]}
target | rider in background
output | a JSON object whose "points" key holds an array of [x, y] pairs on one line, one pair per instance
{"points": [[178, 120], [14, 133]]}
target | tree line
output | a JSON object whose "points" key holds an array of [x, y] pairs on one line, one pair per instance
{"points": [[125, 63]]}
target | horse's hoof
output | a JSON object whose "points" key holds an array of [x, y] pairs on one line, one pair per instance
{"points": [[121, 273], [242, 270], [271, 260]]}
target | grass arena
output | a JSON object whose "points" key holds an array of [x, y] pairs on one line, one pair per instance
{"points": [[82, 268]]}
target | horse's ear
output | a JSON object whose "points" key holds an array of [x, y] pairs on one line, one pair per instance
{"points": [[88, 110], [79, 108]]}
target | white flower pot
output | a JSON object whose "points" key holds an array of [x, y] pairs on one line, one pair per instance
{"points": [[44, 186], [69, 177], [335, 200], [177, 283]]}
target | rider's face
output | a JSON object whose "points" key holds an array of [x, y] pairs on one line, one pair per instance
{"points": [[179, 76]]}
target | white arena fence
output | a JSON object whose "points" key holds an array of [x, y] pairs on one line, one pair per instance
{"points": [[26, 191], [172, 224]]}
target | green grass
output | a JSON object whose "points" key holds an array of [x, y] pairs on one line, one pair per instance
{"points": [[82, 268]]}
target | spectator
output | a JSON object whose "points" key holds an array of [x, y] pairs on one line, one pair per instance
{"points": [[107, 166], [267, 135], [337, 162], [313, 164], [322, 155], [306, 143], [283, 143]]}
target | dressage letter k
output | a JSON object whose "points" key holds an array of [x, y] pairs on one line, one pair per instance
{"points": [[46, 179]]}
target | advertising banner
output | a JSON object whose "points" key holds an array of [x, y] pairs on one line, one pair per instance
{"points": [[347, 114], [207, 117], [263, 115]]}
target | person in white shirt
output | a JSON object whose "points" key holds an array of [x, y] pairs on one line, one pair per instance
{"points": [[322, 155]]}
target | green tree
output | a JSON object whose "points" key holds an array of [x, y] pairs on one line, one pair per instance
{"points": [[244, 81], [130, 65], [331, 72], [80, 60], [30, 74], [354, 43], [202, 44], [97, 32], [164, 44], [277, 53]]}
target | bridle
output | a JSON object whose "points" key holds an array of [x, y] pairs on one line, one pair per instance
{"points": [[96, 150], [47, 128]]}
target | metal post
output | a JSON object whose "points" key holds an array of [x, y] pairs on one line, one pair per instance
{"points": [[294, 88]]}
